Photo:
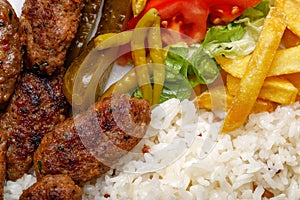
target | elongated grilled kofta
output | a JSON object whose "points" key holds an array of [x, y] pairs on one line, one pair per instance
{"points": [[48, 27], [88, 144], [10, 51], [53, 187], [35, 108]]}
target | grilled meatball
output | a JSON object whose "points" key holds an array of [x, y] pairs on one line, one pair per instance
{"points": [[88, 144], [48, 27], [10, 51], [36, 107], [2, 162], [53, 187]]}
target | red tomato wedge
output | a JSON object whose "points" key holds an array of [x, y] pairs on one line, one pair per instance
{"points": [[190, 17], [179, 15], [223, 12]]}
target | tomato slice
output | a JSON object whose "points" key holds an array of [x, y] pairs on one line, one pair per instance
{"points": [[179, 15], [190, 17], [223, 12], [185, 17]]}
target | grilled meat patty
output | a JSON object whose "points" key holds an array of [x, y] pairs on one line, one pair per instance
{"points": [[88, 144], [35, 108], [48, 27], [10, 51], [53, 187]]}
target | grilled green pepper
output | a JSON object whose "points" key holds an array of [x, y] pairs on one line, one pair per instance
{"points": [[91, 14], [92, 68], [115, 15]]}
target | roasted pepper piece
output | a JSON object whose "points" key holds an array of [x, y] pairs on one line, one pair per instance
{"points": [[126, 85], [115, 15], [91, 14], [156, 55], [139, 52], [138, 6]]}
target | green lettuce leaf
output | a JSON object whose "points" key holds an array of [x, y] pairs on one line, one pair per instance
{"points": [[261, 10], [230, 33], [186, 62], [218, 43]]}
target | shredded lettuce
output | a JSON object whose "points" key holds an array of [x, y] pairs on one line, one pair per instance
{"points": [[192, 61], [230, 33], [261, 10], [185, 68], [230, 40]]}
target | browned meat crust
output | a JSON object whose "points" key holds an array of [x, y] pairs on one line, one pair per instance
{"points": [[36, 107], [10, 51], [53, 187], [48, 28], [3, 140], [109, 129]]}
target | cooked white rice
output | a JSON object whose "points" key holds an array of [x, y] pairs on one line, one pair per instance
{"points": [[187, 159]]}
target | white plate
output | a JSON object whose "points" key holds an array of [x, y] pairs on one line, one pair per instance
{"points": [[17, 5]]}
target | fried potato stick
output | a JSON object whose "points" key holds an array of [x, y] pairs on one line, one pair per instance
{"points": [[291, 9], [256, 71]]}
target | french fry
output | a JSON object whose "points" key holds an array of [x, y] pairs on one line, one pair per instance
{"points": [[263, 106], [257, 69], [286, 61], [278, 90], [275, 89], [290, 39], [218, 98], [232, 84], [291, 9], [235, 67], [295, 80]]}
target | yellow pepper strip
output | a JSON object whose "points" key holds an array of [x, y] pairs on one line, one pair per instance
{"points": [[106, 40], [138, 6], [139, 53], [156, 55], [126, 85]]}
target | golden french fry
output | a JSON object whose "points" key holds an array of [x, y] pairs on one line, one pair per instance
{"points": [[235, 67], [290, 39], [295, 80], [291, 9], [263, 106], [276, 89], [232, 84], [257, 69], [286, 61], [218, 98]]}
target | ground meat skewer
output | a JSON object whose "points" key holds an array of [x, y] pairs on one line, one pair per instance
{"points": [[108, 129], [35, 108], [48, 27], [10, 51], [53, 187]]}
